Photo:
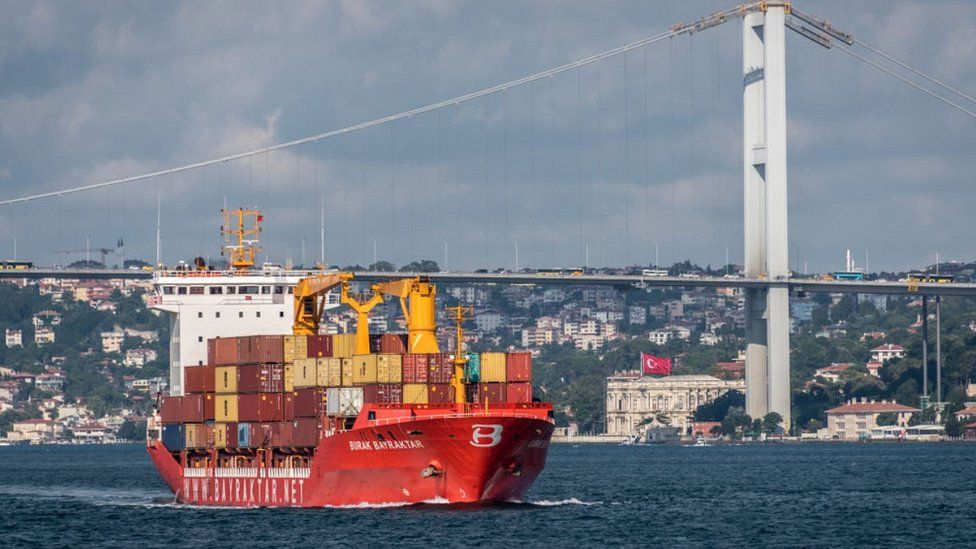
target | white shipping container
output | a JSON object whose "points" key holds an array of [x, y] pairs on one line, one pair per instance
{"points": [[344, 401]]}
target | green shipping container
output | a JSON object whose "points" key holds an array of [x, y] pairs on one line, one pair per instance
{"points": [[473, 368]]}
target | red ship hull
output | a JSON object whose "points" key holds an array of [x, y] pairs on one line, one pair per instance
{"points": [[453, 458]]}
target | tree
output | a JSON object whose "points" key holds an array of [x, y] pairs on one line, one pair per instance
{"points": [[887, 418], [953, 427], [717, 409], [422, 266], [771, 422], [130, 430], [382, 266]]}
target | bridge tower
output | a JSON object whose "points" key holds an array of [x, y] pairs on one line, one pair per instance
{"points": [[766, 245]]}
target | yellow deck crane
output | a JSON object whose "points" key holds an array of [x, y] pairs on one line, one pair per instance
{"points": [[309, 302], [362, 308], [460, 314], [417, 301]]}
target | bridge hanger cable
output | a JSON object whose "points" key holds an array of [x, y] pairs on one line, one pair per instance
{"points": [[364, 125]]}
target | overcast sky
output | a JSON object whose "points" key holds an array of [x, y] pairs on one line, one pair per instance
{"points": [[625, 157]]}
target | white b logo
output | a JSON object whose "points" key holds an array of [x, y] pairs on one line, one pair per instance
{"points": [[486, 436]]}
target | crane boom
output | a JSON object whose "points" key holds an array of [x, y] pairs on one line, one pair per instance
{"points": [[308, 306]]}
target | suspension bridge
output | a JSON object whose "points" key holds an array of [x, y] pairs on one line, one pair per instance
{"points": [[767, 280]]}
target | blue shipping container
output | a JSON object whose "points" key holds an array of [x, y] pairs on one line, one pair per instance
{"points": [[243, 435], [173, 437], [473, 368]]}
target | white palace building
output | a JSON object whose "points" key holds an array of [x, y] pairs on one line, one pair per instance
{"points": [[632, 398]]}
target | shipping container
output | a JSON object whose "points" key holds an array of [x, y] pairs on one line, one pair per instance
{"points": [[227, 351], [329, 372], [268, 349], [295, 347], [346, 371], [195, 435], [518, 367], [225, 379], [226, 408], [198, 379], [197, 408], [440, 393], [493, 393], [320, 346], [306, 372], [171, 409], [288, 373], [389, 368], [415, 393], [472, 370], [259, 435], [493, 367], [440, 368], [260, 378], [518, 392], [173, 437], [393, 344], [363, 369], [260, 407], [310, 402], [344, 345], [288, 406], [415, 368], [299, 432], [344, 401], [383, 393], [243, 435], [225, 435]]}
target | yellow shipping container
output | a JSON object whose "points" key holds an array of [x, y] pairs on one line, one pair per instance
{"points": [[195, 435], [345, 371], [389, 368], [289, 378], [225, 409], [306, 372], [329, 372], [295, 347], [363, 369], [343, 345], [220, 434], [493, 367], [415, 393], [225, 379]]}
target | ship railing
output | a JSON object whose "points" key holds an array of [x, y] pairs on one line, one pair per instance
{"points": [[406, 419], [198, 472], [236, 472], [289, 472]]}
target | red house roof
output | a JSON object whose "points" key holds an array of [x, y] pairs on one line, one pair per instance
{"points": [[871, 407]]}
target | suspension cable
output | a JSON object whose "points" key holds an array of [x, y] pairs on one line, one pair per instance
{"points": [[903, 79], [908, 67]]}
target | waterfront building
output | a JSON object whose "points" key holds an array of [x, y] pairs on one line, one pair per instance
{"points": [[886, 352], [859, 417], [632, 398]]}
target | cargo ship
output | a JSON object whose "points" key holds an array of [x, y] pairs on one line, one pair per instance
{"points": [[306, 419]]}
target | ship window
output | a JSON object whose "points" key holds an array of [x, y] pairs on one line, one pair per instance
{"points": [[259, 314], [199, 363], [279, 289], [249, 290], [217, 314], [181, 290], [196, 290], [240, 314], [199, 339], [265, 289], [216, 290], [232, 289], [281, 314], [168, 290], [291, 290], [200, 314]]}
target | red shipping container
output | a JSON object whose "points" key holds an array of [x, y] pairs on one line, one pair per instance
{"points": [[299, 432], [309, 402], [171, 409], [260, 407], [319, 346], [198, 379], [393, 344], [230, 434], [518, 367], [288, 406], [260, 378], [383, 393], [518, 392], [227, 351], [261, 435], [440, 393], [415, 368], [440, 368], [195, 408], [494, 393], [267, 349]]}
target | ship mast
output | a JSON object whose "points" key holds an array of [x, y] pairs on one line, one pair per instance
{"points": [[460, 314], [241, 230]]}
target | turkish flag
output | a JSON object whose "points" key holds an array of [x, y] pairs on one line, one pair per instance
{"points": [[656, 365]]}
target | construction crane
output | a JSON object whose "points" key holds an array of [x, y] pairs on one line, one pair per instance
{"points": [[308, 302]]}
